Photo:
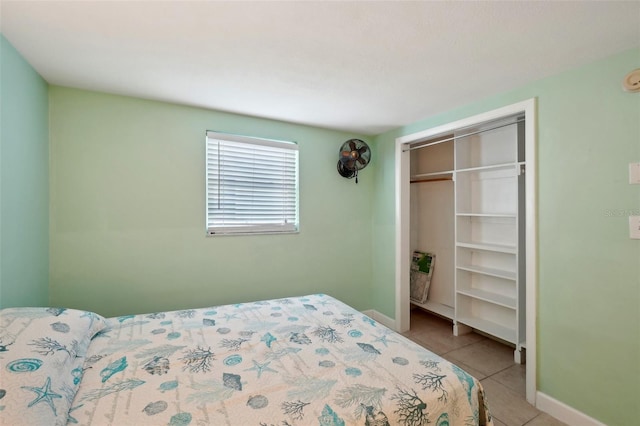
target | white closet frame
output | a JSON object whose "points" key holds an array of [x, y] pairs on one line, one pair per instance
{"points": [[402, 222]]}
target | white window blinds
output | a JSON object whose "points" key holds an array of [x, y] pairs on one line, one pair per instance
{"points": [[252, 185]]}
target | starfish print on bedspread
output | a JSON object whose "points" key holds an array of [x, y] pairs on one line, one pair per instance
{"points": [[230, 317], [44, 394], [383, 339], [261, 367]]}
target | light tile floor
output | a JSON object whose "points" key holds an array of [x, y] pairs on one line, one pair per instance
{"points": [[489, 361]]}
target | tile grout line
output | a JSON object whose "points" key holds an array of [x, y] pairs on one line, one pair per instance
{"points": [[492, 376], [532, 419]]}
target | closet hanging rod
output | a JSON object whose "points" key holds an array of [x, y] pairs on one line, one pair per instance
{"points": [[411, 148], [430, 180]]}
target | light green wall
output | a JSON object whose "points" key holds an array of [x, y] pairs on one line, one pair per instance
{"points": [[127, 218], [589, 269], [24, 188], [127, 212]]}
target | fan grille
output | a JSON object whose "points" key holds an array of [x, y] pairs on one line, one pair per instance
{"points": [[354, 155]]}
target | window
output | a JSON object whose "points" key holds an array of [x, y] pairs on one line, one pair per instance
{"points": [[252, 185]]}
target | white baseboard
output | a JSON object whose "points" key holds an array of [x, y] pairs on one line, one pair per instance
{"points": [[381, 318], [563, 412]]}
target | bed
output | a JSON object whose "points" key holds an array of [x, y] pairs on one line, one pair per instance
{"points": [[292, 361]]}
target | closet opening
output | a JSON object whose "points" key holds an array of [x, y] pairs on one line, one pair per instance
{"points": [[465, 200]]}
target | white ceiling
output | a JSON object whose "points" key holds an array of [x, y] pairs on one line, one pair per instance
{"points": [[364, 67]]}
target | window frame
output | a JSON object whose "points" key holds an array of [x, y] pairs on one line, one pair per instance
{"points": [[215, 230]]}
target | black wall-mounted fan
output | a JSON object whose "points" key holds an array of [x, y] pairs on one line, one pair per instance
{"points": [[355, 154]]}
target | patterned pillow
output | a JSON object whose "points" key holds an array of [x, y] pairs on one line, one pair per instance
{"points": [[41, 357]]}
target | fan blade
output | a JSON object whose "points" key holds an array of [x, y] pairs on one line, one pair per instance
{"points": [[345, 154], [362, 161], [363, 149], [351, 164], [352, 145]]}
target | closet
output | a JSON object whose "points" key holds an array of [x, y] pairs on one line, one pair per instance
{"points": [[467, 206]]}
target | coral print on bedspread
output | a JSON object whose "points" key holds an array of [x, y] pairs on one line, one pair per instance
{"points": [[293, 361]]}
